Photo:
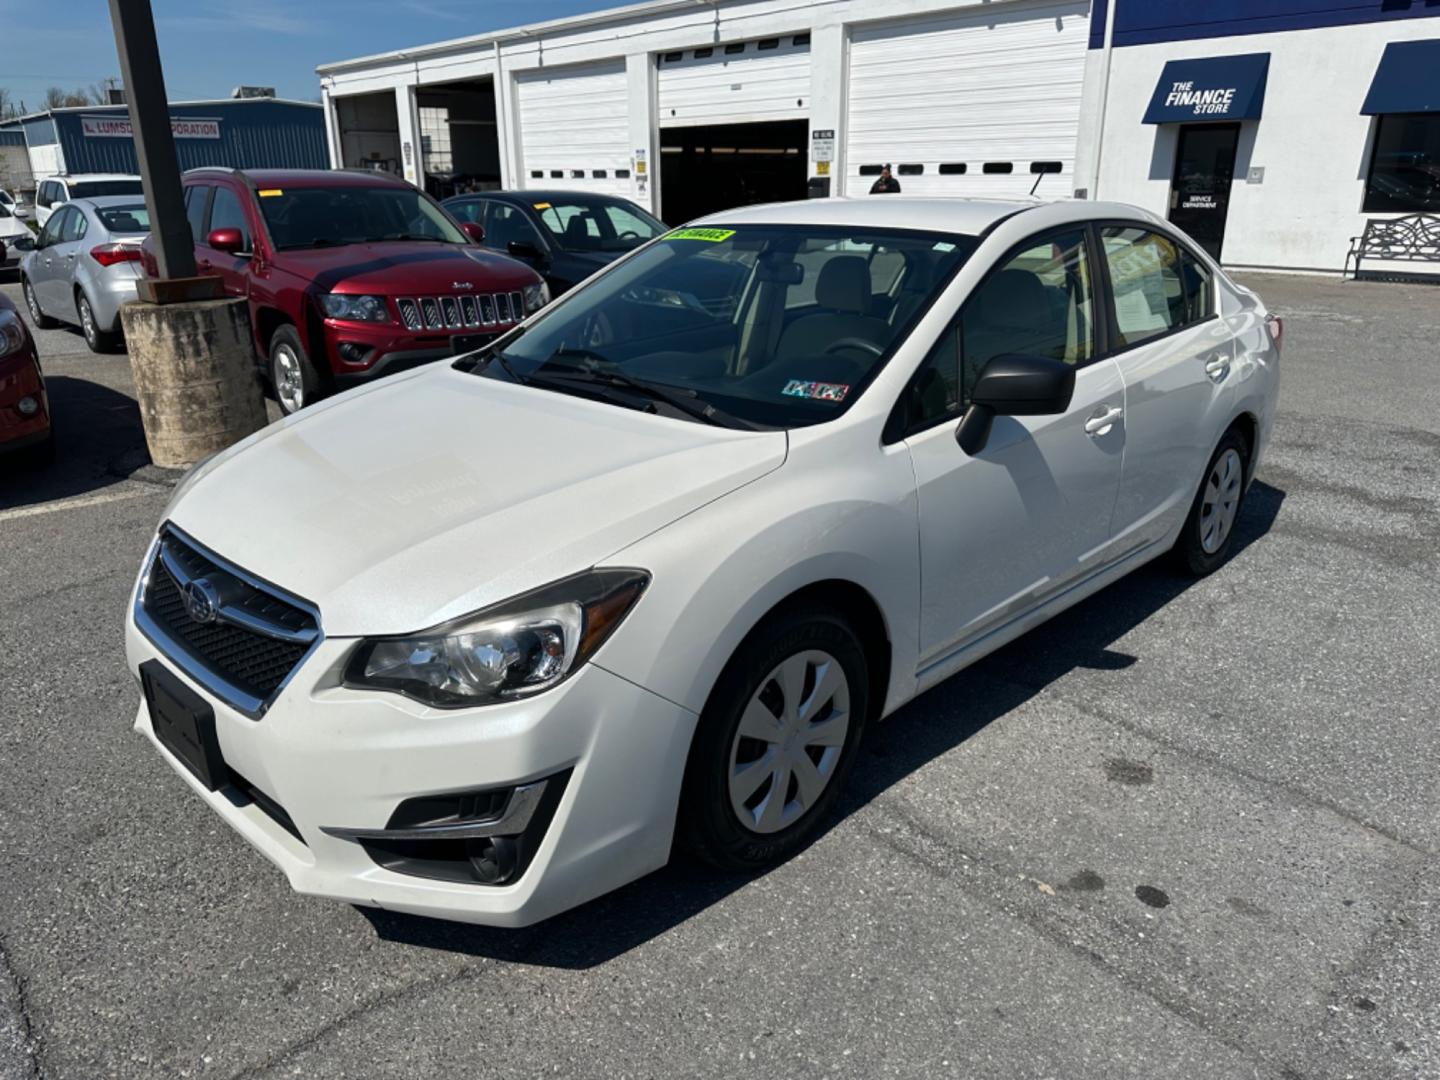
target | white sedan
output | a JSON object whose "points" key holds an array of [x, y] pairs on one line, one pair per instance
{"points": [[486, 640]]}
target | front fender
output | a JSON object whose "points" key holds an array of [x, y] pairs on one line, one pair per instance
{"points": [[718, 571]]}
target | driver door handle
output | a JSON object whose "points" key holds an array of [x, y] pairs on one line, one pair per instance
{"points": [[1103, 420], [1217, 366]]}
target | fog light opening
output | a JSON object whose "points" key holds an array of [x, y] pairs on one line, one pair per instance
{"points": [[28, 406], [352, 353], [494, 859]]}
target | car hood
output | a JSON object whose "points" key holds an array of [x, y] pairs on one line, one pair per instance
{"points": [[400, 268], [402, 505]]}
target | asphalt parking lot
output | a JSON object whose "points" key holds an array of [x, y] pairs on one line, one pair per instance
{"points": [[1184, 830]]}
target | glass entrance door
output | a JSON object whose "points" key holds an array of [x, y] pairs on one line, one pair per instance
{"points": [[1200, 191]]}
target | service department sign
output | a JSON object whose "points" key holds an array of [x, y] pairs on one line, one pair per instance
{"points": [[118, 127]]}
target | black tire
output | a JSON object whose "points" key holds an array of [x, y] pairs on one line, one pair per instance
{"points": [[709, 826], [99, 341], [1190, 554], [286, 342], [40, 320]]}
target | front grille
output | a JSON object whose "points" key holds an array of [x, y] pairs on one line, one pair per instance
{"points": [[258, 636], [467, 311]]}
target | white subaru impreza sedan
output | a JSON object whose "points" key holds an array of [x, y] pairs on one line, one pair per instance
{"points": [[493, 637]]}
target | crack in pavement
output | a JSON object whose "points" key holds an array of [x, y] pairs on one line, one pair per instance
{"points": [[19, 1045]]}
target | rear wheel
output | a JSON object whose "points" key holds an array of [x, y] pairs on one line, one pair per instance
{"points": [[38, 317], [1209, 533], [292, 374], [775, 742], [100, 341]]}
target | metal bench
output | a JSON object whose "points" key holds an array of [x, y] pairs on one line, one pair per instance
{"points": [[1415, 238]]}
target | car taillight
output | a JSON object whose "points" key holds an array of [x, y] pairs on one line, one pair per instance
{"points": [[110, 254]]}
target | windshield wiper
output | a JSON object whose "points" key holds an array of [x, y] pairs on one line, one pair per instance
{"points": [[685, 401], [406, 236]]}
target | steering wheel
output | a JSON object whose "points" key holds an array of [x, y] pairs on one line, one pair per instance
{"points": [[628, 234], [863, 344]]}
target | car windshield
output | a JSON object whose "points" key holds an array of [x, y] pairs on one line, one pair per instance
{"points": [[597, 224], [329, 216], [756, 325], [125, 219], [89, 189]]}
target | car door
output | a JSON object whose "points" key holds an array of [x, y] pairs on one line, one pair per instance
{"points": [[73, 232], [52, 280], [506, 224], [1175, 356], [227, 211], [1029, 515]]}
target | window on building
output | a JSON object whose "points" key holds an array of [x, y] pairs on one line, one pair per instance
{"points": [[435, 147], [1157, 285], [999, 167], [910, 170], [952, 168], [1405, 167]]}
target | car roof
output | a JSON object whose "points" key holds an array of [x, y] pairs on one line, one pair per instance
{"points": [[305, 178], [965, 216], [82, 178], [104, 202], [534, 195]]}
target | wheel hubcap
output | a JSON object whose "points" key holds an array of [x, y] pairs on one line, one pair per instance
{"points": [[789, 742], [289, 384], [87, 320], [30, 300], [1220, 502]]}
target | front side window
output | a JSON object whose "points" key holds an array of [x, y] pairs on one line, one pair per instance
{"points": [[329, 216], [706, 316], [197, 199], [227, 213], [74, 227], [1157, 286], [505, 225], [1039, 302], [471, 210], [50, 234], [1405, 168], [597, 225], [46, 195]]}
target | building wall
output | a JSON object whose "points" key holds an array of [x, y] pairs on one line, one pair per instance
{"points": [[1312, 141]]}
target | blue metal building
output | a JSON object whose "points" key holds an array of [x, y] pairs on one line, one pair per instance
{"points": [[241, 133]]}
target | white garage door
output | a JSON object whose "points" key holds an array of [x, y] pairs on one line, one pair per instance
{"points": [[741, 82], [981, 104], [575, 129]]}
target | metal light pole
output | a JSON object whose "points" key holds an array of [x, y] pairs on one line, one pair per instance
{"points": [[154, 144]]}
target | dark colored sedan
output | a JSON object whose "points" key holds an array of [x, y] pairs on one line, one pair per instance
{"points": [[24, 410], [565, 235]]}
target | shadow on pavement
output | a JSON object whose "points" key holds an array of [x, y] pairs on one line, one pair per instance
{"points": [[98, 439], [1078, 638]]}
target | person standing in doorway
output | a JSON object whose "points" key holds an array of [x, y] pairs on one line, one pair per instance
{"points": [[886, 185]]}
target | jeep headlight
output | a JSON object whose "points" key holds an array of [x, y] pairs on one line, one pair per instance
{"points": [[512, 650], [355, 308], [536, 297]]}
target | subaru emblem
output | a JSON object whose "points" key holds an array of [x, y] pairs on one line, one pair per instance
{"points": [[202, 601]]}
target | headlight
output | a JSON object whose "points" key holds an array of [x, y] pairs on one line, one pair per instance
{"points": [[12, 333], [536, 297], [355, 308], [509, 651]]}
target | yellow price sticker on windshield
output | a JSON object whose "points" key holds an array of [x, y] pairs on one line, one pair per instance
{"points": [[542, 206], [269, 193], [712, 236]]}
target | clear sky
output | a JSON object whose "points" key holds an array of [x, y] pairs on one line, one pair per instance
{"points": [[209, 46]]}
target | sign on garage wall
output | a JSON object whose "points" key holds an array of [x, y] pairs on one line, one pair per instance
{"points": [[118, 127], [822, 150]]}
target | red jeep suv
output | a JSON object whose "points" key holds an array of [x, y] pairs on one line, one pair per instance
{"points": [[350, 275]]}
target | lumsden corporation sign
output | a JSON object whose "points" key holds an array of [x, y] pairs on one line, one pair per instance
{"points": [[118, 127]]}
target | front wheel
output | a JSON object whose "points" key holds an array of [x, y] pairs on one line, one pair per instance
{"points": [[38, 317], [1209, 533], [775, 742], [291, 372]]}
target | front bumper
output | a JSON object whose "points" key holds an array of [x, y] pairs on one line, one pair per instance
{"points": [[338, 758], [359, 352]]}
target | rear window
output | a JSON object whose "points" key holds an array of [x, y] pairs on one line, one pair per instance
{"points": [[88, 189], [125, 219]]}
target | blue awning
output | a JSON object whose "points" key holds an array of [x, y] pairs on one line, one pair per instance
{"points": [[1407, 80], [1210, 88]]}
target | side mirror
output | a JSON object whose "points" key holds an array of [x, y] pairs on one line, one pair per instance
{"points": [[229, 241], [474, 230], [524, 249], [1014, 385], [24, 243]]}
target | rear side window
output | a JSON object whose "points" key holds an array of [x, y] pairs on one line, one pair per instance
{"points": [[227, 213], [1157, 286], [75, 226], [90, 189], [197, 200]]}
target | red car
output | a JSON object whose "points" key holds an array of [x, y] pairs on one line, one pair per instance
{"points": [[24, 408], [350, 275]]}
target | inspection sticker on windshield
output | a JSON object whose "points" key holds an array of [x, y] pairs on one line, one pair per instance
{"points": [[542, 206], [269, 193], [713, 236], [816, 391]]}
